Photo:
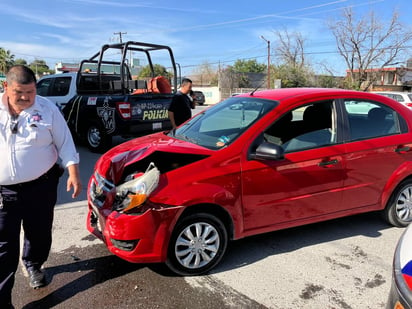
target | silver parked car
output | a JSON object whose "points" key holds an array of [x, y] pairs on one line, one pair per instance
{"points": [[402, 97]]}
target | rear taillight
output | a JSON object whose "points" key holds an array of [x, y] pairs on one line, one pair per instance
{"points": [[124, 110], [408, 104]]}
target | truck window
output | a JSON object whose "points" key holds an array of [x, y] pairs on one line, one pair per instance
{"points": [[61, 86], [43, 87]]}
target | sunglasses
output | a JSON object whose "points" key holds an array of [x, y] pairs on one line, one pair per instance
{"points": [[14, 124]]}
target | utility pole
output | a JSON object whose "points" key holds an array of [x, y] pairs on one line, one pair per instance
{"points": [[120, 35], [268, 42]]}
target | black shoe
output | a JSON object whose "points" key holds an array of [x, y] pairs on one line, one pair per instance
{"points": [[36, 277]]}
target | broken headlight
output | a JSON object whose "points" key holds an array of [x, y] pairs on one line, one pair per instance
{"points": [[133, 193]]}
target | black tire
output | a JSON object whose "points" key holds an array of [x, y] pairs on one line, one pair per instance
{"points": [[97, 140], [189, 253], [398, 211]]}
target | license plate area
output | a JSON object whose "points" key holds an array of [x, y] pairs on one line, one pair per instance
{"points": [[157, 126]]}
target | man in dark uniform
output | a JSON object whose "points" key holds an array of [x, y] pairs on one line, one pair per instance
{"points": [[181, 107]]}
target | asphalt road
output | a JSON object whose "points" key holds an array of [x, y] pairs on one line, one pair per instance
{"points": [[343, 263]]}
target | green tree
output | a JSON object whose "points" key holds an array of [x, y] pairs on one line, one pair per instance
{"points": [[241, 68], [158, 69], [6, 60], [248, 66], [293, 76], [327, 81], [39, 67], [20, 61]]}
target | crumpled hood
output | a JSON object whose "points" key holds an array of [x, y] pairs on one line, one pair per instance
{"points": [[112, 164]]}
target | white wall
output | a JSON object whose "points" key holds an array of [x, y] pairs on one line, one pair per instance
{"points": [[212, 94]]}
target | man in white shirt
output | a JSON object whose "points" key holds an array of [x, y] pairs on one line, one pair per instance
{"points": [[33, 135]]}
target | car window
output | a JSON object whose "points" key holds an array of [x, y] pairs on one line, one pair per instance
{"points": [[398, 98], [370, 119], [223, 123], [390, 95], [61, 86], [310, 126], [43, 86]]}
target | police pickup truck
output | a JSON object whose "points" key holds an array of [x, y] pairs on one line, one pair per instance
{"points": [[109, 101]]}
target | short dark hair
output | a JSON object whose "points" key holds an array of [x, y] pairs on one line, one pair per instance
{"points": [[20, 74], [186, 81]]}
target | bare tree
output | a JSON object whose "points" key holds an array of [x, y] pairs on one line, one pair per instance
{"points": [[290, 48], [293, 69], [205, 74], [367, 44]]}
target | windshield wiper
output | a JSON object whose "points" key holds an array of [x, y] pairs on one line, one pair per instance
{"points": [[186, 138]]}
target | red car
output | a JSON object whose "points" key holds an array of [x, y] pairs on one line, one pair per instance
{"points": [[251, 164]]}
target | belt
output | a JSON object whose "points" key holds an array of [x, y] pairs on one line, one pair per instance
{"points": [[55, 171]]}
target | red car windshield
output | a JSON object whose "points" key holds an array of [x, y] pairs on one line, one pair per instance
{"points": [[223, 123]]}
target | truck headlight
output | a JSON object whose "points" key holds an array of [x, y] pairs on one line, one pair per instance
{"points": [[134, 193]]}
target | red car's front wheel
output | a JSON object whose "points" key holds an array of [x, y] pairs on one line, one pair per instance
{"points": [[197, 244]]}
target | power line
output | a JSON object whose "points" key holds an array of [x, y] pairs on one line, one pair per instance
{"points": [[211, 63]]}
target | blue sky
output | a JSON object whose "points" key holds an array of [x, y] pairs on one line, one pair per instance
{"points": [[217, 32]]}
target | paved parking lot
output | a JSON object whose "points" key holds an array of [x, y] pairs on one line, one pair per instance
{"points": [[344, 263]]}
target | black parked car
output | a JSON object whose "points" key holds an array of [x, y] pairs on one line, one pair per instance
{"points": [[199, 97]]}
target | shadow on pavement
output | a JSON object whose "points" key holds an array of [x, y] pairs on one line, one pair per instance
{"points": [[255, 248], [84, 274]]}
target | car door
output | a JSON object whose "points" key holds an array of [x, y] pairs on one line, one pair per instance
{"points": [[303, 186], [376, 146]]}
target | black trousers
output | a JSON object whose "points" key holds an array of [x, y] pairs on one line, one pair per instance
{"points": [[30, 205]]}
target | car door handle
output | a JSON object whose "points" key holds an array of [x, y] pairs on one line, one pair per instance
{"points": [[327, 163], [402, 149]]}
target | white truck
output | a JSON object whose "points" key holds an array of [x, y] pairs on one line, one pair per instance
{"points": [[59, 88]]}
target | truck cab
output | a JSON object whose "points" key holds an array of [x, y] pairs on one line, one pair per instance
{"points": [[59, 88]]}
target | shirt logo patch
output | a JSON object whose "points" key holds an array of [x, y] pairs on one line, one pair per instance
{"points": [[35, 118]]}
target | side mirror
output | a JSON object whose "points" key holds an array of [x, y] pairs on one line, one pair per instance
{"points": [[268, 151]]}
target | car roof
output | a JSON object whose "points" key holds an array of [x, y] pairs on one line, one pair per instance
{"points": [[292, 96], [286, 93], [392, 92], [58, 75]]}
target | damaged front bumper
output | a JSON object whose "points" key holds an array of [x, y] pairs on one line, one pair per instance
{"points": [[139, 235], [137, 239]]}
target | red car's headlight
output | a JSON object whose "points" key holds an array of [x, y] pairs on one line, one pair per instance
{"points": [[134, 193]]}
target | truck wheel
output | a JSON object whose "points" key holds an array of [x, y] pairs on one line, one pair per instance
{"points": [[398, 211], [97, 140], [198, 243]]}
